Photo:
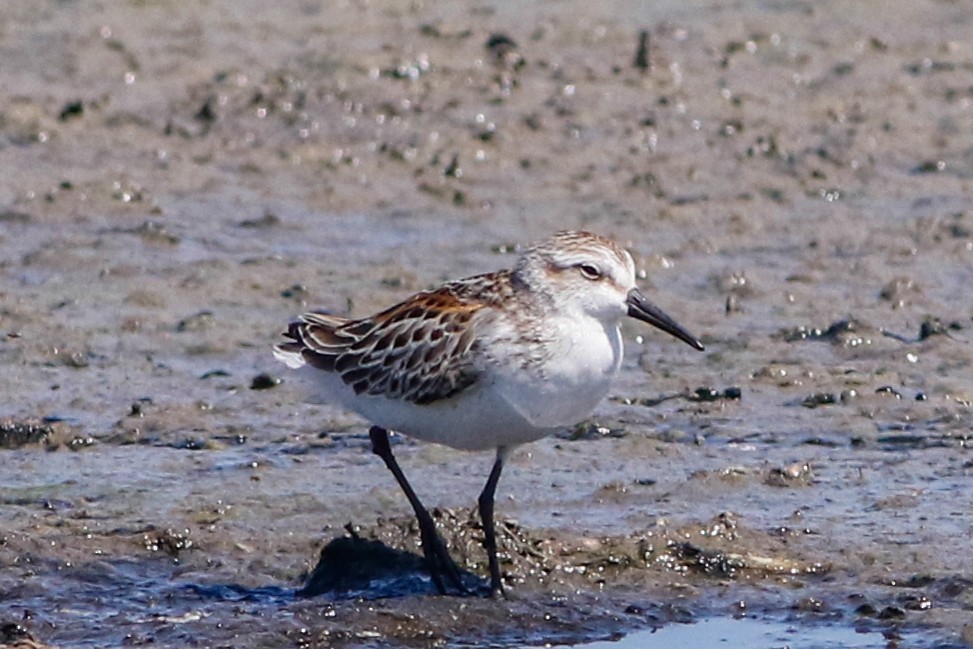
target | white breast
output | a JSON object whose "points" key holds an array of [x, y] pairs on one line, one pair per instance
{"points": [[570, 383]]}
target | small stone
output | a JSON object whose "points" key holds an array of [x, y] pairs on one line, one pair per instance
{"points": [[705, 394], [889, 390], [891, 613], [264, 381], [71, 109], [931, 327], [866, 610], [819, 399]]}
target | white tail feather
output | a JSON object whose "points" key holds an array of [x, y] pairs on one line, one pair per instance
{"points": [[293, 360]]}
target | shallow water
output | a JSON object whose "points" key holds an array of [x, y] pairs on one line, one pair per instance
{"points": [[747, 632]]}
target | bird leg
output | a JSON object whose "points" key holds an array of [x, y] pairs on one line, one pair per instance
{"points": [[486, 515], [434, 550]]}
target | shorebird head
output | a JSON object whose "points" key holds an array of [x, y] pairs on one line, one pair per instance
{"points": [[593, 275]]}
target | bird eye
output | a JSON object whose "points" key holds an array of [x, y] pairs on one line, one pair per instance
{"points": [[589, 271]]}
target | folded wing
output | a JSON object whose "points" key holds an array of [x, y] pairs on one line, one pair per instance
{"points": [[421, 350]]}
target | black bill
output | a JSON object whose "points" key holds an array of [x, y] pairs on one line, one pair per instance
{"points": [[641, 309]]}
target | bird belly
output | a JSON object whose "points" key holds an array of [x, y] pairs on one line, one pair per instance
{"points": [[478, 418]]}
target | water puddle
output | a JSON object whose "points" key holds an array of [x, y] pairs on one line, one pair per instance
{"points": [[746, 632]]}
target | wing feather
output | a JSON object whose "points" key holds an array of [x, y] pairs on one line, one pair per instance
{"points": [[422, 350]]}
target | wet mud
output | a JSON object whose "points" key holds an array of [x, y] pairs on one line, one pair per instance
{"points": [[794, 180]]}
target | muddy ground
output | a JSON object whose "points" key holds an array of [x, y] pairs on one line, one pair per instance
{"points": [[180, 179]]}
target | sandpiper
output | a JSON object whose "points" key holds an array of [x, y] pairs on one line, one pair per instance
{"points": [[487, 362]]}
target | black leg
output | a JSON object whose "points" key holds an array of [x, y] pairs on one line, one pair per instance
{"points": [[433, 549], [486, 515]]}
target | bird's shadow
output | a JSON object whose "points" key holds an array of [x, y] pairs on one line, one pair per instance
{"points": [[351, 567]]}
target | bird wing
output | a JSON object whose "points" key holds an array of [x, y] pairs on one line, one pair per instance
{"points": [[417, 351]]}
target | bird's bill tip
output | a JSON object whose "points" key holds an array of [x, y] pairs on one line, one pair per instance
{"points": [[641, 309]]}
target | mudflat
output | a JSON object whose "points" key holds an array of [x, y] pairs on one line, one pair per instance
{"points": [[181, 179]]}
